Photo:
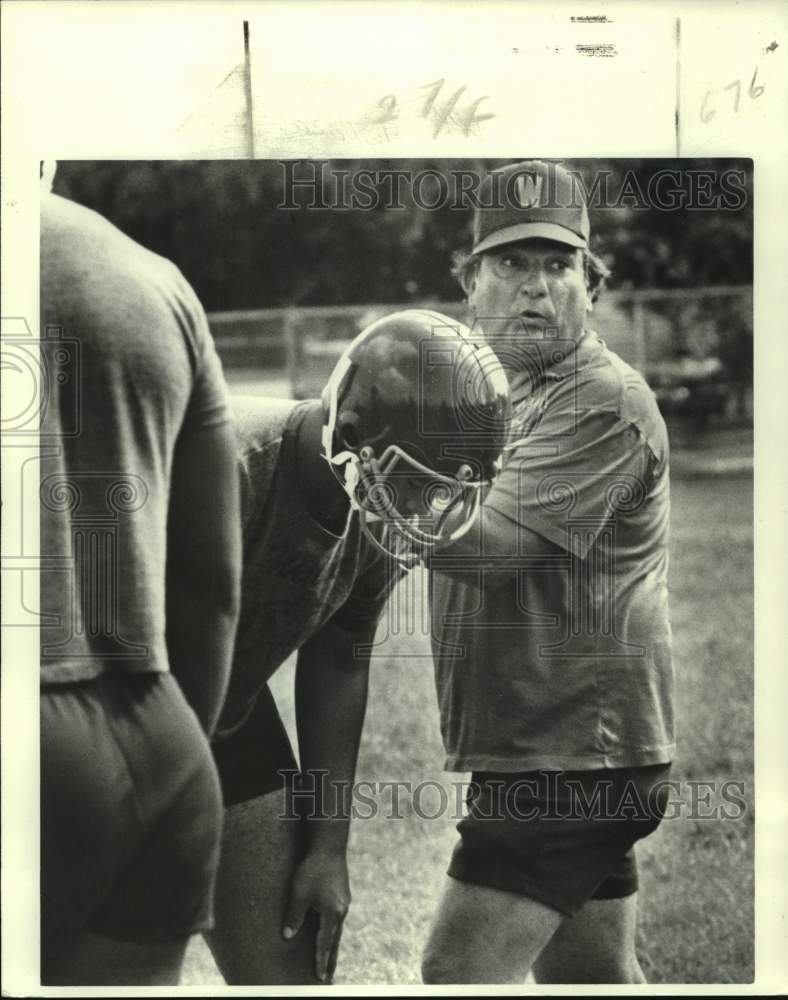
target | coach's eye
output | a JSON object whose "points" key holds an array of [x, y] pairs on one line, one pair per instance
{"points": [[511, 263], [506, 265]]}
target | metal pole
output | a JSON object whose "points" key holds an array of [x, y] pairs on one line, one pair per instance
{"points": [[248, 92]]}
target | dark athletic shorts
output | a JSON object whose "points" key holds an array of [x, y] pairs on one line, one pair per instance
{"points": [[249, 761], [560, 837], [130, 811]]}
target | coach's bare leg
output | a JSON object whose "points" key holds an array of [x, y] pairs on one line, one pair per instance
{"points": [[259, 853], [483, 935], [597, 945], [91, 960]]}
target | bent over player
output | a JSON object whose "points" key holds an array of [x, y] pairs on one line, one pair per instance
{"points": [[140, 570], [550, 621], [339, 495]]}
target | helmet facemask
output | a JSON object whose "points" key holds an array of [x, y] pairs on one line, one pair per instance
{"points": [[387, 486], [376, 485]]}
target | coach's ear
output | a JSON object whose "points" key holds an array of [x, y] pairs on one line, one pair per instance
{"points": [[470, 276], [469, 286], [590, 297]]}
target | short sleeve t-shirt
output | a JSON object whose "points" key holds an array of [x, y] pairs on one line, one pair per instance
{"points": [[561, 657], [297, 575], [130, 367]]}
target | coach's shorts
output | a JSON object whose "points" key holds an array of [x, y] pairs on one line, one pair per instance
{"points": [[130, 811], [560, 837], [249, 761]]}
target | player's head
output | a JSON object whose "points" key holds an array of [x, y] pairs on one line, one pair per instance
{"points": [[415, 419], [531, 264]]}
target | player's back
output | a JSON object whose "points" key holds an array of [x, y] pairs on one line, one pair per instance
{"points": [[130, 364]]}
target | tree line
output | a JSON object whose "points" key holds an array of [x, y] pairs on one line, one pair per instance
{"points": [[658, 224]]}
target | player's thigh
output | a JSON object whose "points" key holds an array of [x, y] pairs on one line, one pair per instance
{"points": [[92, 960], [485, 935], [260, 850], [597, 945]]}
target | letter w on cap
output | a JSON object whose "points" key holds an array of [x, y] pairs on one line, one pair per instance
{"points": [[529, 190]]}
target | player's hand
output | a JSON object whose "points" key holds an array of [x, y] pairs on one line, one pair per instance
{"points": [[320, 883]]}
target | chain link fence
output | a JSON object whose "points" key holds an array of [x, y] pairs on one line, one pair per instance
{"points": [[694, 346]]}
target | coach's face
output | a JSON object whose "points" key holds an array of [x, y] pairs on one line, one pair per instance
{"points": [[532, 285]]}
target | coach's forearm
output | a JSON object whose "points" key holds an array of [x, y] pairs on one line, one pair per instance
{"points": [[492, 537], [493, 543], [331, 699]]}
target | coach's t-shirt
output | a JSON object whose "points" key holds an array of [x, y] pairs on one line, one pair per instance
{"points": [[129, 366], [297, 575], [561, 657]]}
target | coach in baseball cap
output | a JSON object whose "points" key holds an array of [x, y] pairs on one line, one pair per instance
{"points": [[554, 685], [520, 204]]}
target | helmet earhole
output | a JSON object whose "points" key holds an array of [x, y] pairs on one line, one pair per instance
{"points": [[347, 426]]}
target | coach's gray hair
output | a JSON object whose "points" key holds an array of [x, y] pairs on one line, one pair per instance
{"points": [[466, 265]]}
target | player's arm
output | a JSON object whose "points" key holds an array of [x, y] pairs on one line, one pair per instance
{"points": [[203, 567], [331, 698]]}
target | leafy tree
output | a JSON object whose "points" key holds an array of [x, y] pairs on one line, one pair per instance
{"points": [[220, 222]]}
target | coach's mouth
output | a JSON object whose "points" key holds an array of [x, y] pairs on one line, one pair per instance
{"points": [[534, 316]]}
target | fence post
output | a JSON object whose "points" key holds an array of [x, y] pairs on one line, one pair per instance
{"points": [[292, 352], [639, 335]]}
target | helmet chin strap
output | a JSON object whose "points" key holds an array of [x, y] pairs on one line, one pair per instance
{"points": [[345, 467], [349, 475], [392, 543]]}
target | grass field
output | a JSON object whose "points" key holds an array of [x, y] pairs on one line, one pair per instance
{"points": [[696, 874]]}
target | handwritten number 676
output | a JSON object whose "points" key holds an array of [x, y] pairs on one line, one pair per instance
{"points": [[707, 113]]}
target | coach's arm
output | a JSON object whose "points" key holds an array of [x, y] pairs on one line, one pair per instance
{"points": [[494, 544], [595, 460], [331, 699], [203, 567]]}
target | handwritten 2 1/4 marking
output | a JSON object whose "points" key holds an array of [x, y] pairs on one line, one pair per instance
{"points": [[443, 112], [707, 113]]}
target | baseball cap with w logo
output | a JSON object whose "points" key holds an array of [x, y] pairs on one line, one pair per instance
{"points": [[530, 200]]}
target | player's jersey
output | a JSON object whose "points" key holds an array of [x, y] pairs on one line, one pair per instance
{"points": [[562, 659], [130, 367], [297, 575]]}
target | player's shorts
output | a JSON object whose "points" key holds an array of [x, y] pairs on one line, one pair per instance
{"points": [[130, 811], [560, 837], [257, 758]]}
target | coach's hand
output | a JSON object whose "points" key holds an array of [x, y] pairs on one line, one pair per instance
{"points": [[320, 883]]}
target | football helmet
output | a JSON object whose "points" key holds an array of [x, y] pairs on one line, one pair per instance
{"points": [[415, 419]]}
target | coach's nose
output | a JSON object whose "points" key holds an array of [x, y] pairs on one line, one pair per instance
{"points": [[533, 285]]}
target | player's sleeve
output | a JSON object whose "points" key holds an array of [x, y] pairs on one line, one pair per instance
{"points": [[208, 404], [377, 576], [569, 481]]}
